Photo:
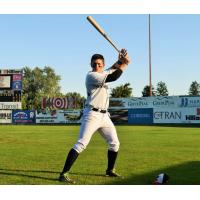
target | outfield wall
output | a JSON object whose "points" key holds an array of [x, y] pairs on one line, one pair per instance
{"points": [[144, 110], [159, 110]]}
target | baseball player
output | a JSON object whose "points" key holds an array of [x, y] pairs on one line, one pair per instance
{"points": [[95, 114]]}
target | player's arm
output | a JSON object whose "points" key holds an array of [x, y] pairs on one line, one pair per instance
{"points": [[119, 66]]}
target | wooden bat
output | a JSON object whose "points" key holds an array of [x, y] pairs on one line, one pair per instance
{"points": [[101, 31]]}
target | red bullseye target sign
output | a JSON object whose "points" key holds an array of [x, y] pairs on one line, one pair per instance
{"points": [[58, 103]]}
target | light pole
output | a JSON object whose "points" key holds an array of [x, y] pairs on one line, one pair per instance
{"points": [[150, 83]]}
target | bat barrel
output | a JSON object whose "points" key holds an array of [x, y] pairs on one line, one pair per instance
{"points": [[101, 31]]}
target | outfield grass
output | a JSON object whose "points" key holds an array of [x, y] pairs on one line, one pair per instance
{"points": [[36, 154]]}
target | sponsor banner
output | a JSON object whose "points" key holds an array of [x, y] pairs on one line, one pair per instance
{"points": [[72, 116], [6, 116], [117, 103], [5, 81], [10, 105], [119, 116], [58, 103], [165, 101], [59, 116], [167, 115], [23, 116], [140, 116], [144, 102], [46, 117], [177, 115], [191, 115], [17, 77], [11, 71], [10, 96], [17, 85], [186, 101]]}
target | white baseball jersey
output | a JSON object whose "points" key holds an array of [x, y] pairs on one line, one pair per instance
{"points": [[97, 89]]}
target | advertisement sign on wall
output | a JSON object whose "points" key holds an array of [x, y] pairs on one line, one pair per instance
{"points": [[59, 116], [46, 117], [23, 116], [58, 103], [5, 81], [192, 101], [191, 115], [167, 115], [17, 85], [140, 116], [10, 105], [5, 116], [17, 77], [144, 102], [119, 115], [177, 115]]}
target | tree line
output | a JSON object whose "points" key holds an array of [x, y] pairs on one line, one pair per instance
{"points": [[44, 82], [161, 90]]}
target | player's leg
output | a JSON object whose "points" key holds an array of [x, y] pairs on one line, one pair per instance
{"points": [[71, 158], [108, 131], [89, 125]]}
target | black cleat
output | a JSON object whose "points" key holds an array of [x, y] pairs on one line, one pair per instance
{"points": [[112, 173], [65, 178]]}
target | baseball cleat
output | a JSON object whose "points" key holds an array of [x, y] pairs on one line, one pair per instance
{"points": [[65, 178], [112, 173]]}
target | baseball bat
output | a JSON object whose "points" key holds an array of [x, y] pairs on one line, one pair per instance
{"points": [[101, 31]]}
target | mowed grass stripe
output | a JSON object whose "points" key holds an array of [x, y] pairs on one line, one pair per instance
{"points": [[36, 154]]}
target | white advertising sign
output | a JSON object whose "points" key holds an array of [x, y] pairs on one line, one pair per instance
{"points": [[191, 115], [144, 102], [167, 115], [6, 116], [5, 81], [191, 101], [59, 116], [10, 105], [176, 115]]}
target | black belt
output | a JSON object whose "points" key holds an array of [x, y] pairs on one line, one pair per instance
{"points": [[99, 110]]}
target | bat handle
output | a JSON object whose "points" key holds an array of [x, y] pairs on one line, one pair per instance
{"points": [[116, 49], [109, 40]]}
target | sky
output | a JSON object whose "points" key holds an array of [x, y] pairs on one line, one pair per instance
{"points": [[66, 43]]}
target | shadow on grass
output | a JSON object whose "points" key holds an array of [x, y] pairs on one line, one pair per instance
{"points": [[184, 174], [187, 173], [19, 172], [25, 170]]}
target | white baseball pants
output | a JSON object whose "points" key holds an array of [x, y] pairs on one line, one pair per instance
{"points": [[95, 121]]}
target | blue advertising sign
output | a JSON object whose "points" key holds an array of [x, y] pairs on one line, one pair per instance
{"points": [[140, 116], [23, 116], [17, 85]]}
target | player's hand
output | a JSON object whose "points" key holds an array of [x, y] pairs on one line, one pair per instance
{"points": [[123, 57]]}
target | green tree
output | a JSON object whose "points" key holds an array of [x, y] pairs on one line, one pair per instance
{"points": [[38, 83], [146, 91], [122, 91], [194, 88], [161, 89], [78, 98]]}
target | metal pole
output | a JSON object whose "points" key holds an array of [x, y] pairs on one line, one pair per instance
{"points": [[150, 84]]}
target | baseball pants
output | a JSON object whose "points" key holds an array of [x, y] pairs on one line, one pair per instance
{"points": [[96, 121]]}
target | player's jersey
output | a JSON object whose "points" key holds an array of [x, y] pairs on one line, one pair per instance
{"points": [[97, 89]]}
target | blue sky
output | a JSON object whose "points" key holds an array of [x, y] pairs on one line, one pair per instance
{"points": [[66, 42]]}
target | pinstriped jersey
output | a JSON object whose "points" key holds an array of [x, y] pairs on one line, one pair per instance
{"points": [[97, 89]]}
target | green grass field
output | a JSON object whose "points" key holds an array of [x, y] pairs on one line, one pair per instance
{"points": [[35, 155]]}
